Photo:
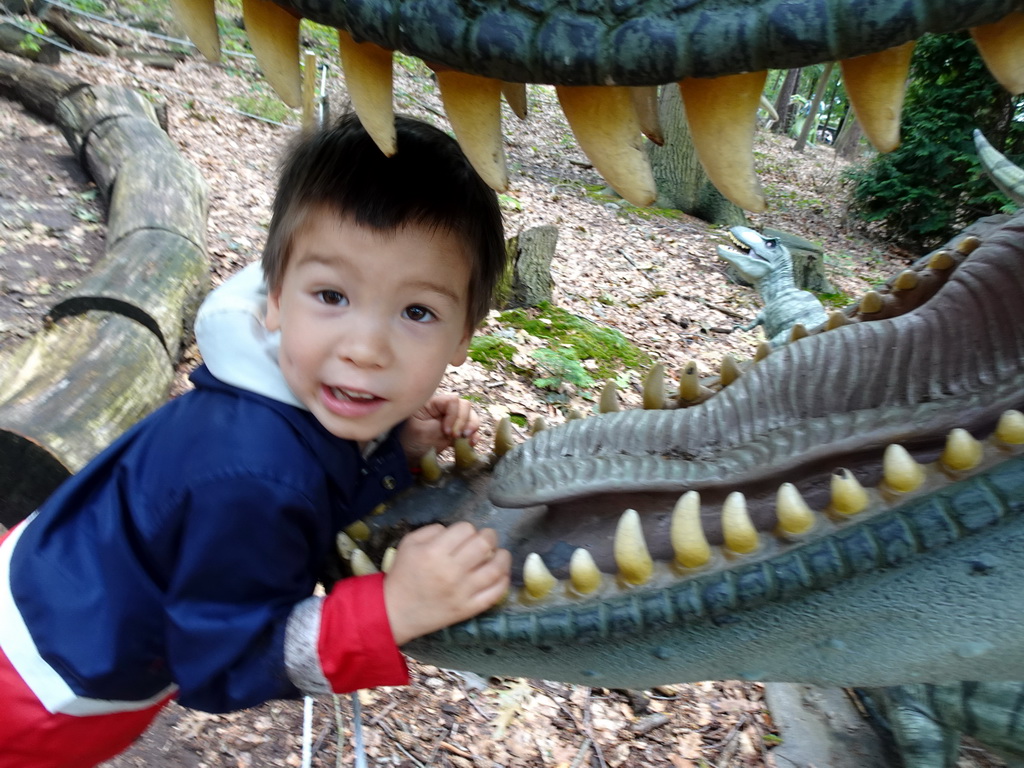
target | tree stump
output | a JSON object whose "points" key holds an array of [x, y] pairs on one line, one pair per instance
{"points": [[530, 255], [808, 261]]}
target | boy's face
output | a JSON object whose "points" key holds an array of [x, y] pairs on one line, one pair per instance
{"points": [[369, 321]]}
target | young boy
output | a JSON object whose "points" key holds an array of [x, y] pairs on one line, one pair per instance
{"points": [[181, 562]]}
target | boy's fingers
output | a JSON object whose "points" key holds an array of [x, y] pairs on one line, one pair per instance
{"points": [[425, 534], [477, 549]]}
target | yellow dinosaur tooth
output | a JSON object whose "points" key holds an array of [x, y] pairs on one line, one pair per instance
{"points": [[962, 451], [848, 495], [358, 531], [1010, 428], [905, 280], [876, 84], [836, 319], [730, 370], [537, 579], [388, 559], [369, 80], [722, 114], [583, 572], [870, 303], [645, 102], [1001, 45], [503, 442], [609, 402], [608, 132], [737, 528], [797, 332], [430, 467], [763, 350], [900, 471], [968, 245], [941, 260], [687, 533], [465, 456], [631, 554], [539, 425], [274, 37], [654, 388], [361, 564], [473, 105], [515, 97], [794, 516], [199, 20], [689, 383]]}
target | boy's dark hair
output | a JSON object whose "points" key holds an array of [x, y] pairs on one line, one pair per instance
{"points": [[427, 182]]}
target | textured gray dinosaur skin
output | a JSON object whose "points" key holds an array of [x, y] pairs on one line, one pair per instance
{"points": [[623, 42]]}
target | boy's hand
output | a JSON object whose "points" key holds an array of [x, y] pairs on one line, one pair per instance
{"points": [[441, 576], [437, 424]]}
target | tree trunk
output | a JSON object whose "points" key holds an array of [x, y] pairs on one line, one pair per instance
{"points": [[848, 141], [681, 180], [532, 252], [811, 123], [783, 102]]}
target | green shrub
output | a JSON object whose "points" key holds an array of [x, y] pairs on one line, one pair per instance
{"points": [[933, 185]]}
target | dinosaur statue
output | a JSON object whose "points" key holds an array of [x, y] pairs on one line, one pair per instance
{"points": [[851, 510], [767, 264]]}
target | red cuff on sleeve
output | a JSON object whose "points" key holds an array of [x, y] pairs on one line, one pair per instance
{"points": [[356, 646]]}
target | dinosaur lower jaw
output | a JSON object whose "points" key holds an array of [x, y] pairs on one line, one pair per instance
{"points": [[917, 594], [831, 604], [488, 52]]}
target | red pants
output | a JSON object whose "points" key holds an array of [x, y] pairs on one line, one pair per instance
{"points": [[32, 737]]}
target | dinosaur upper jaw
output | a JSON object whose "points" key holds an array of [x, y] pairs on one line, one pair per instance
{"points": [[590, 50]]}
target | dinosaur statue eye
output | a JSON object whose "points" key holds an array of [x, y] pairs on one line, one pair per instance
{"points": [[772, 242]]}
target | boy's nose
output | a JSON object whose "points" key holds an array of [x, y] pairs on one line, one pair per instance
{"points": [[366, 344]]}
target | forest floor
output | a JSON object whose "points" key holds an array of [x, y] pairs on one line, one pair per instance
{"points": [[653, 275]]}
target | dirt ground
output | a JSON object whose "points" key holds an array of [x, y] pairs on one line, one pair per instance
{"points": [[654, 276]]}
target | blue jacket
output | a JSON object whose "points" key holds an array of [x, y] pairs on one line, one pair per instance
{"points": [[213, 517]]}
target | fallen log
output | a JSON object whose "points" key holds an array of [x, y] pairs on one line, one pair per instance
{"points": [[156, 278], [64, 27], [105, 359], [67, 393], [105, 125], [37, 87]]}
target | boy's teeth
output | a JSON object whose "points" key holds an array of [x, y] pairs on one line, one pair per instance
{"points": [[349, 395]]}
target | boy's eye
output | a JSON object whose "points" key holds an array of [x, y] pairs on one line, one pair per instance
{"points": [[419, 314], [328, 296]]}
